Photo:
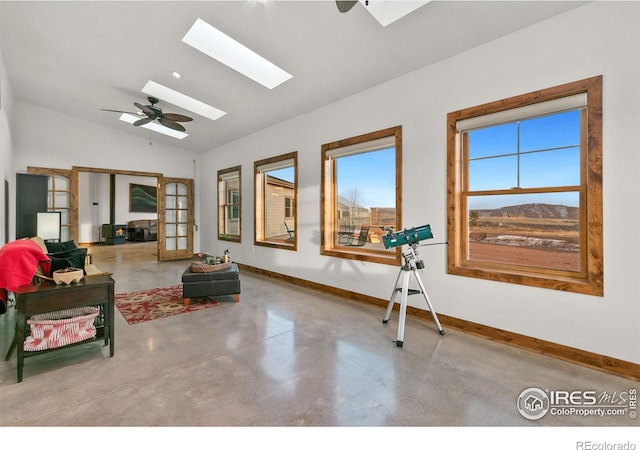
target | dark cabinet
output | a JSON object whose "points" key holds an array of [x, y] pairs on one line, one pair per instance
{"points": [[31, 198]]}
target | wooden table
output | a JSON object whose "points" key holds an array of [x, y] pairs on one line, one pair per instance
{"points": [[45, 297]]}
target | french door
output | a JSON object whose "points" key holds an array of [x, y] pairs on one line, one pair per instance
{"points": [[175, 218]]}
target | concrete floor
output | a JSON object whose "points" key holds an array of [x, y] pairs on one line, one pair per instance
{"points": [[282, 356]]}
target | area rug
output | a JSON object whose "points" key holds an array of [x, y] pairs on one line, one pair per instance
{"points": [[141, 306]]}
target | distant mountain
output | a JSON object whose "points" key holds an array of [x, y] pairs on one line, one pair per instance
{"points": [[533, 211]]}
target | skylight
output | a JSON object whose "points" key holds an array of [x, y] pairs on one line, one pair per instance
{"points": [[153, 126], [214, 43], [388, 11], [184, 101]]}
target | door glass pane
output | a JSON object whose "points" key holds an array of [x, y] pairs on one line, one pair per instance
{"points": [[182, 189], [170, 244], [170, 202], [61, 199], [170, 230], [62, 183], [182, 243], [171, 189], [182, 215], [170, 216], [182, 229]]}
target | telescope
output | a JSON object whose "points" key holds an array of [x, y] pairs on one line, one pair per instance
{"points": [[410, 236]]}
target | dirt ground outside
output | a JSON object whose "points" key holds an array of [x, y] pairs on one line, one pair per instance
{"points": [[535, 257]]}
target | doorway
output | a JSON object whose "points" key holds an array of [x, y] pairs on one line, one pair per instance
{"points": [[6, 211], [175, 220]]}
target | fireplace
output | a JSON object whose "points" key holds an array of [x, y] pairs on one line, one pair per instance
{"points": [[113, 234]]}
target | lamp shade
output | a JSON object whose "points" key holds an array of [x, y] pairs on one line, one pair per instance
{"points": [[48, 225]]}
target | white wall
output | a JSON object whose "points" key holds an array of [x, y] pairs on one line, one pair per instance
{"points": [[123, 215], [63, 141], [596, 39], [6, 148], [93, 205]]}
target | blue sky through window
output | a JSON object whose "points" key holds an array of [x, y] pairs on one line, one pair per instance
{"points": [[371, 176], [533, 153]]}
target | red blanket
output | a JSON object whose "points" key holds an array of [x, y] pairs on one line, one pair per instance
{"points": [[18, 263]]}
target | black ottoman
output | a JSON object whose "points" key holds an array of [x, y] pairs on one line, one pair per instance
{"points": [[211, 284]]}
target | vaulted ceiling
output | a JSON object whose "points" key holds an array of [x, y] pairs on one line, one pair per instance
{"points": [[79, 57]]}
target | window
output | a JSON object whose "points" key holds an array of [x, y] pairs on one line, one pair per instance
{"points": [[229, 205], [289, 208], [275, 194], [525, 189], [361, 195]]}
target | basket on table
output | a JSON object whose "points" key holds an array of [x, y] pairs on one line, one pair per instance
{"points": [[68, 275]]}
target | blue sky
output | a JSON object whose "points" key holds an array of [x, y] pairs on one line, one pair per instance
{"points": [[493, 164], [549, 156], [372, 174]]}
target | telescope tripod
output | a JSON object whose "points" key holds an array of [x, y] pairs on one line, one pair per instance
{"points": [[408, 268]]}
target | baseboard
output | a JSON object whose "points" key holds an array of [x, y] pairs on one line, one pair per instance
{"points": [[595, 361]]}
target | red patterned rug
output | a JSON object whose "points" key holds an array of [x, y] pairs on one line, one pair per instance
{"points": [[157, 303]]}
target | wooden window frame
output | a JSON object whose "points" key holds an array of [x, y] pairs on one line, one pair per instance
{"points": [[259, 224], [589, 280], [223, 235], [329, 194]]}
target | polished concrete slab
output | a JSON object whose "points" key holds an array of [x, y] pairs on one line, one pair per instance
{"points": [[283, 356]]}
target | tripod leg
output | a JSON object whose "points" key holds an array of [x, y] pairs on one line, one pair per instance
{"points": [[403, 307], [426, 297], [392, 300]]}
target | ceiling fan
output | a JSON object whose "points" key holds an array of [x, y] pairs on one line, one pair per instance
{"points": [[345, 6], [153, 112]]}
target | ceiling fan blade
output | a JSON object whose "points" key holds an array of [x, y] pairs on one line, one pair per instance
{"points": [[177, 117], [124, 112], [145, 109], [171, 124], [345, 6], [141, 122]]}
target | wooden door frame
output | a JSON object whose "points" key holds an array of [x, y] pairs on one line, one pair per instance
{"points": [[75, 170], [163, 255], [161, 180]]}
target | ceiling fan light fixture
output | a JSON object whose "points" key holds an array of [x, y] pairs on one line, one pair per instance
{"points": [[153, 126]]}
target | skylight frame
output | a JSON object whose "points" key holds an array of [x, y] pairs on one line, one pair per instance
{"points": [[214, 43]]}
